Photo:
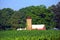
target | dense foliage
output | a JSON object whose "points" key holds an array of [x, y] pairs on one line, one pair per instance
{"points": [[30, 35], [40, 15], [14, 19], [56, 10]]}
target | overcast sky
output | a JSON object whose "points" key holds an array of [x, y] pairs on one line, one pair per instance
{"points": [[18, 4]]}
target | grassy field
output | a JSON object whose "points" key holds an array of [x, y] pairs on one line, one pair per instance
{"points": [[30, 35]]}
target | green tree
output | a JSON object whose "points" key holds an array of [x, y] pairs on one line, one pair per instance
{"points": [[56, 10], [17, 20], [5, 15], [40, 15]]}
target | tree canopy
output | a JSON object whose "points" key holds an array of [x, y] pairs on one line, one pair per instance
{"points": [[56, 10], [39, 14]]}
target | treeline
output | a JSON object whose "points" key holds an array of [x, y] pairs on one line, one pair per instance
{"points": [[39, 14]]}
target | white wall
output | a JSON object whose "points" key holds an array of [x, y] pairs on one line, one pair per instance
{"points": [[41, 26]]}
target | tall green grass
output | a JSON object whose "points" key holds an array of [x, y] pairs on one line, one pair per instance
{"points": [[30, 35]]}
